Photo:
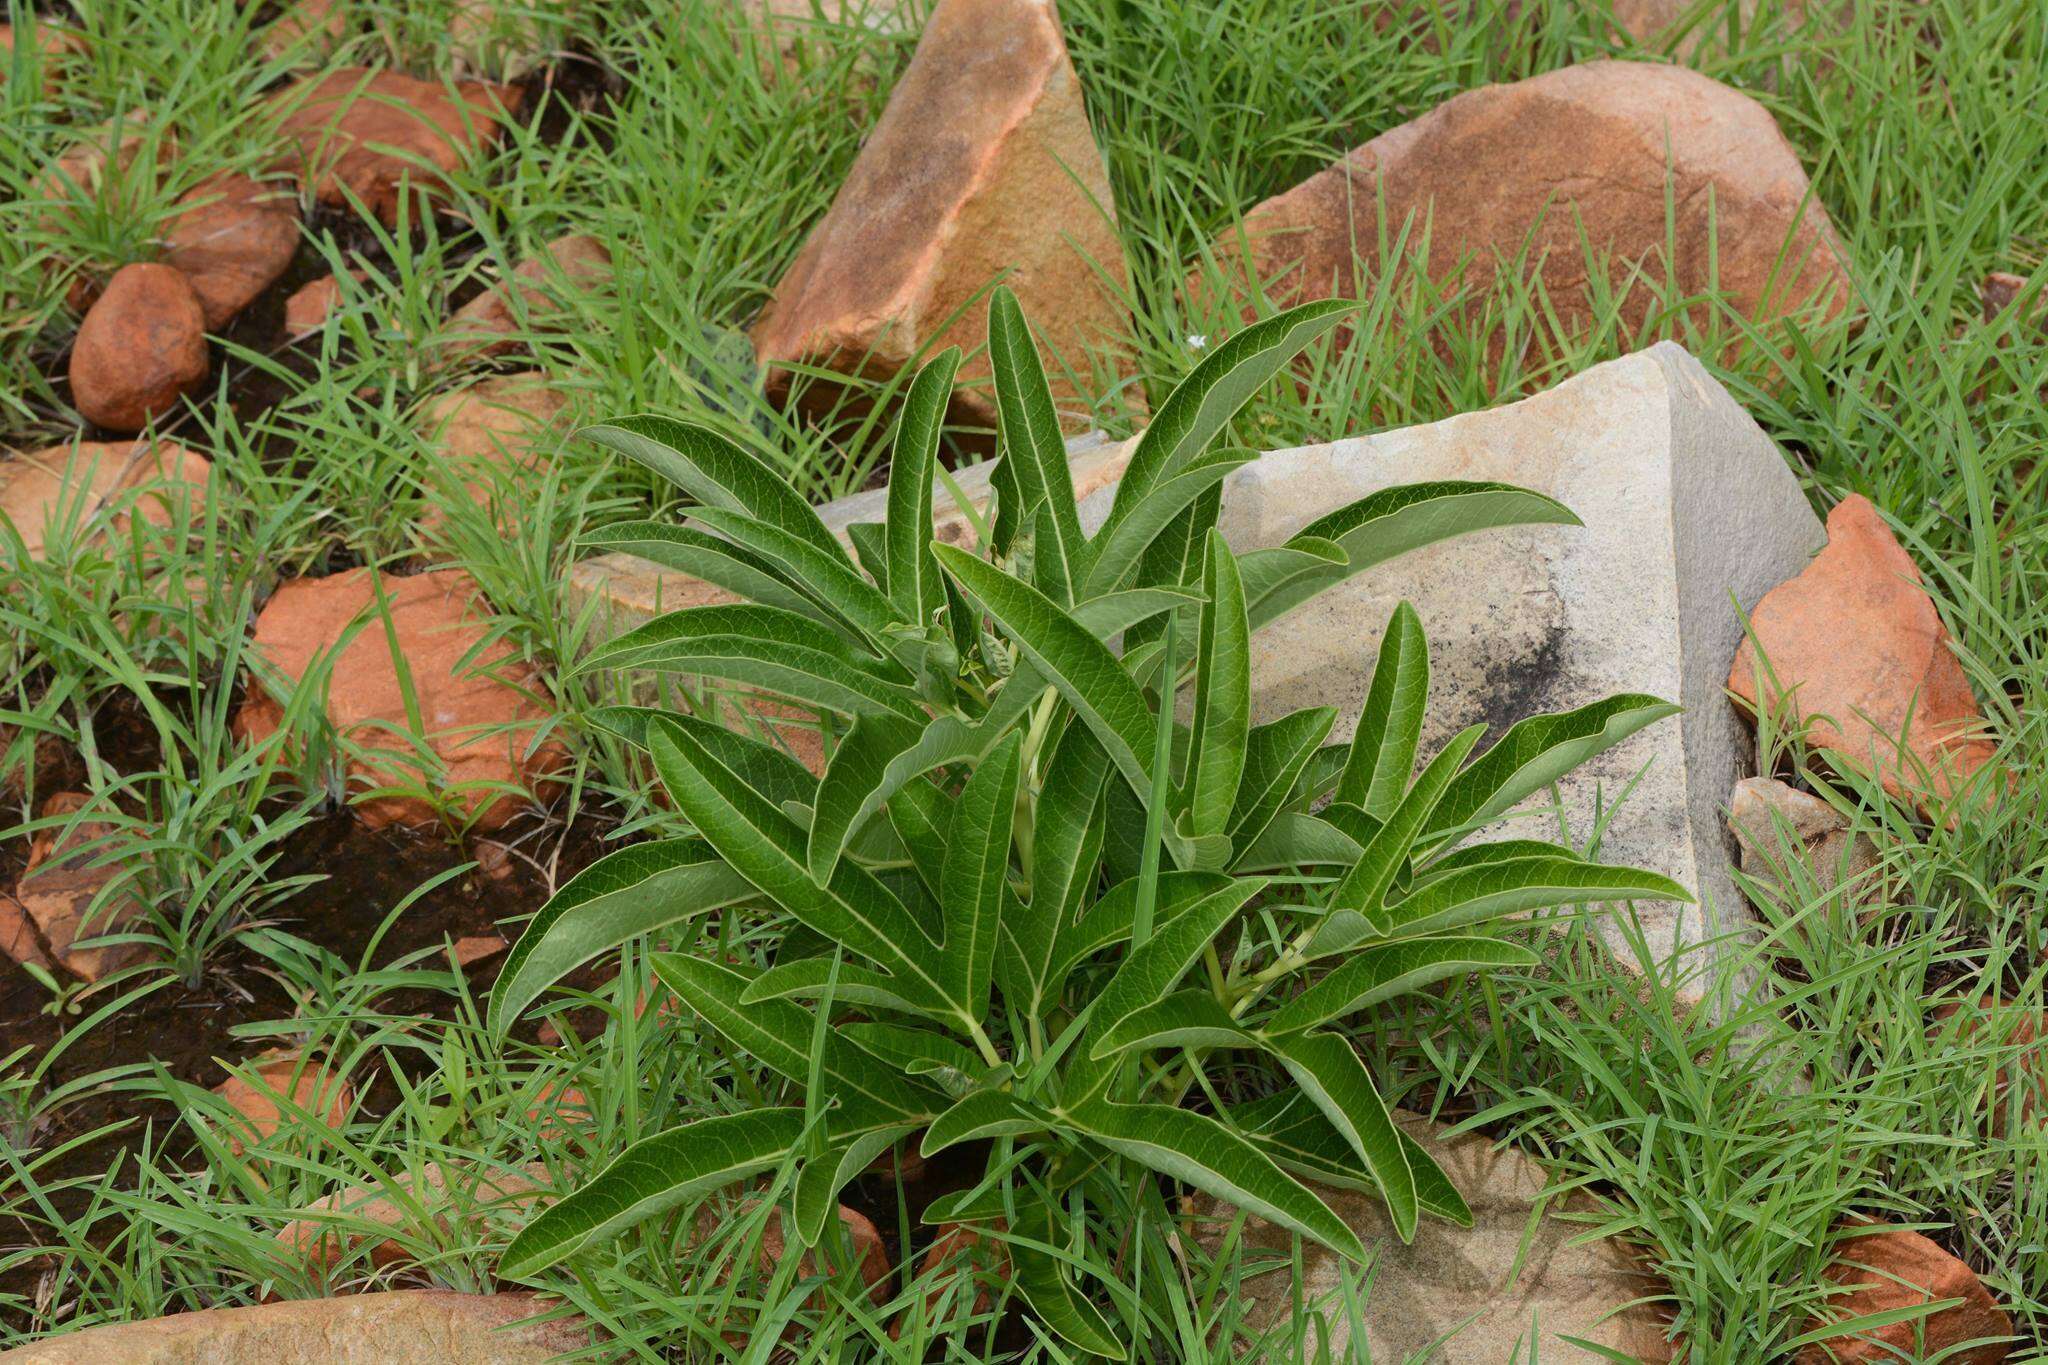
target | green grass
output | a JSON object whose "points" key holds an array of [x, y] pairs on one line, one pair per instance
{"points": [[1726, 1149]]}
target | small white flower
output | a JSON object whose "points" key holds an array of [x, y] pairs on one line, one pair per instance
{"points": [[1196, 343]]}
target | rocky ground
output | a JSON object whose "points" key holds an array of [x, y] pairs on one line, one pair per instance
{"points": [[305, 300]]}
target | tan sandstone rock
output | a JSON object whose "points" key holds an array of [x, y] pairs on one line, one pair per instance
{"points": [[492, 322], [60, 490], [1476, 1288], [479, 717], [74, 889], [372, 135], [233, 239], [141, 348], [1855, 648], [1535, 161], [1775, 824], [399, 1327], [282, 1084], [1895, 1268], [982, 168], [430, 1208]]}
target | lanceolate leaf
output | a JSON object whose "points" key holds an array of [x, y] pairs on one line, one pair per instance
{"points": [[1271, 575], [1537, 752], [1324, 1066], [1197, 1150], [716, 561], [715, 472], [1077, 663], [1381, 971], [913, 582], [1035, 452], [822, 1178], [767, 847], [1223, 695], [765, 647], [918, 1052], [1394, 521], [1109, 922], [651, 1176], [1292, 1130], [854, 787], [1382, 756], [1112, 614], [1298, 840], [1211, 395], [808, 978], [831, 581], [778, 1035], [1364, 888], [1120, 545], [1191, 1018], [981, 1114], [1156, 967], [975, 880], [619, 897], [1045, 1286], [1491, 890], [773, 775], [1274, 757]]}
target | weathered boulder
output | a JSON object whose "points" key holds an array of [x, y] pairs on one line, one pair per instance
{"points": [[75, 888], [279, 1086], [375, 136], [1534, 164], [982, 168], [57, 492], [1687, 505], [479, 715], [234, 237], [1854, 648], [1778, 825], [398, 1327], [141, 348], [1478, 1290], [1895, 1268], [493, 322]]}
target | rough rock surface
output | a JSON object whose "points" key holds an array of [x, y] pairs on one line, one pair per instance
{"points": [[983, 167], [427, 1209], [494, 423], [61, 489], [370, 135], [306, 311], [73, 889], [1535, 161], [1776, 824], [491, 323], [1899, 1269], [398, 1327], [480, 720], [288, 1082], [1686, 504], [233, 239], [141, 348], [1855, 647], [1458, 1283]]}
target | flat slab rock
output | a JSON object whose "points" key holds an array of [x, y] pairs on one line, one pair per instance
{"points": [[1455, 1296], [401, 1327], [1688, 507]]}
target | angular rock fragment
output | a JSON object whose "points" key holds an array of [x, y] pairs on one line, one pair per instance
{"points": [[1854, 647], [492, 322], [1893, 1269], [444, 1201], [233, 239], [1534, 164], [494, 424], [1457, 1296], [982, 169], [94, 487], [283, 1085], [375, 136], [480, 716], [306, 30], [306, 311], [76, 888], [141, 349], [1776, 824]]}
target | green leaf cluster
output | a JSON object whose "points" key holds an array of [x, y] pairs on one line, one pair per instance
{"points": [[1055, 905]]}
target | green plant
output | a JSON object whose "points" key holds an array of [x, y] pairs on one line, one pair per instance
{"points": [[964, 874]]}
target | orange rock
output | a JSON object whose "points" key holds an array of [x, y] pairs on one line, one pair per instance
{"points": [[1855, 646], [285, 1082], [64, 896], [491, 323], [1898, 1269], [308, 28], [56, 47], [305, 312], [62, 488], [445, 1198], [141, 348], [471, 949], [871, 1258], [1581, 149], [959, 1249], [494, 423], [233, 239], [982, 168], [2021, 1031], [371, 136], [479, 716], [559, 1112]]}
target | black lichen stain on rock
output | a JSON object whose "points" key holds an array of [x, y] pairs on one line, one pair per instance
{"points": [[1521, 685]]}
